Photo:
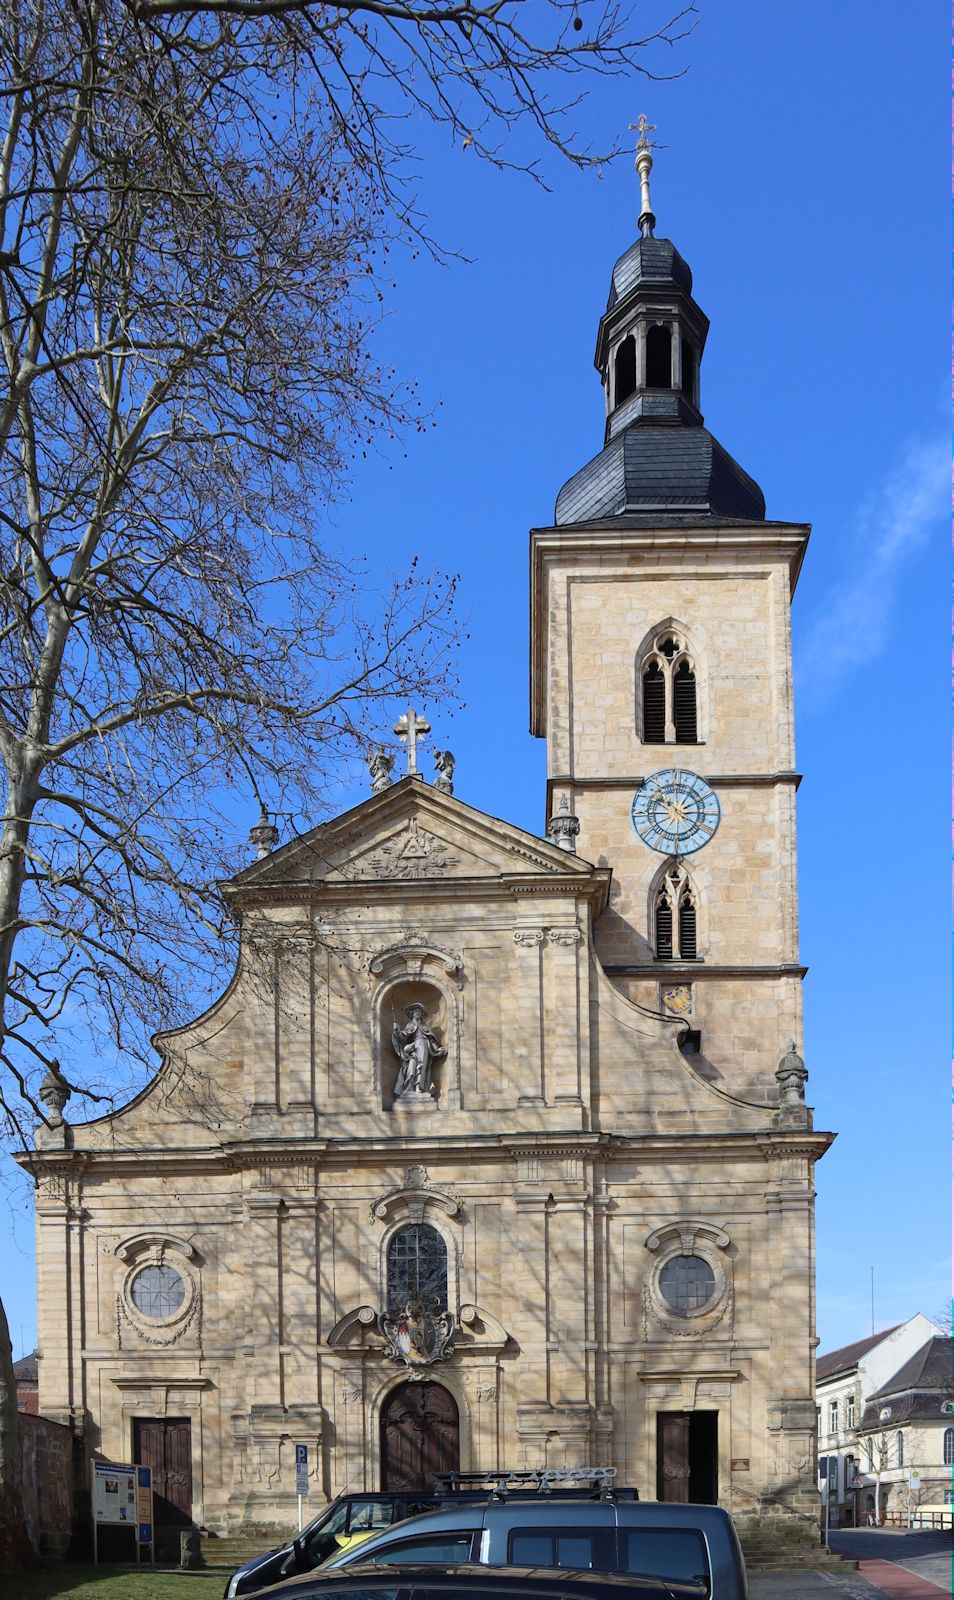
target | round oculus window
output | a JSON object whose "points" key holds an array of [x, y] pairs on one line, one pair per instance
{"points": [[686, 1283], [157, 1291]]}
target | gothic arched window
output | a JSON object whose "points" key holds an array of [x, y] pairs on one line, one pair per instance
{"points": [[668, 691], [949, 1447], [417, 1268], [900, 1448], [674, 916]]}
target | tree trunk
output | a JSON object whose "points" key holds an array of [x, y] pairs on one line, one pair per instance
{"points": [[14, 1545]]}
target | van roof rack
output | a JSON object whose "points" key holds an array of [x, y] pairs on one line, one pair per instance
{"points": [[596, 1483]]}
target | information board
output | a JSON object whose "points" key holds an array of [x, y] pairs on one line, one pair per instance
{"points": [[114, 1494], [122, 1498]]}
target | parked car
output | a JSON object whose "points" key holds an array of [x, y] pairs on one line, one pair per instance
{"points": [[692, 1544], [339, 1527], [437, 1582]]}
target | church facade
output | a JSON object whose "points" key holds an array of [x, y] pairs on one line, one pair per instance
{"points": [[495, 1151]]}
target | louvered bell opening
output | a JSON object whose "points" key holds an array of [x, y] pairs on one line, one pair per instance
{"points": [[687, 929], [654, 706], [684, 704], [663, 929]]}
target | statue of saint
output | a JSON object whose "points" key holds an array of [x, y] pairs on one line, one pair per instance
{"points": [[417, 1046]]}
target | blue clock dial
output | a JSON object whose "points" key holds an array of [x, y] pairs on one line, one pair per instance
{"points": [[675, 812]]}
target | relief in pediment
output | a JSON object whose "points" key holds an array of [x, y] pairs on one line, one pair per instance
{"points": [[412, 853]]}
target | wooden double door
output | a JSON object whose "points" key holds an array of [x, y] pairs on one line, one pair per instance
{"points": [[165, 1445], [420, 1436]]}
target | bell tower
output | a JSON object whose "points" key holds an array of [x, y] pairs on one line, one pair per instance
{"points": [[661, 679]]}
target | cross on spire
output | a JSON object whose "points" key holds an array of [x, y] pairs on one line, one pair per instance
{"points": [[410, 727], [642, 126], [644, 166]]}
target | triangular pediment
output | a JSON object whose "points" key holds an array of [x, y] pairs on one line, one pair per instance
{"points": [[412, 833]]}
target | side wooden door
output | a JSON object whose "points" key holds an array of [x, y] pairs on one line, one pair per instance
{"points": [[672, 1456]]}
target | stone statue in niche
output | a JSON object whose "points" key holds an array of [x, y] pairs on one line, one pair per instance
{"points": [[417, 1046]]}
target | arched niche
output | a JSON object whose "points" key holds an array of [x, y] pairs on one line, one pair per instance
{"points": [[440, 1003]]}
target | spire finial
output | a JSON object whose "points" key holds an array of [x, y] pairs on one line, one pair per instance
{"points": [[644, 166]]}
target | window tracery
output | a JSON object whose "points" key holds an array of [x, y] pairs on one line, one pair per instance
{"points": [[675, 923], [417, 1268], [668, 698]]}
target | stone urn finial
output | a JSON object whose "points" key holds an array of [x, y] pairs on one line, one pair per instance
{"points": [[563, 827], [792, 1077], [264, 836], [54, 1091]]}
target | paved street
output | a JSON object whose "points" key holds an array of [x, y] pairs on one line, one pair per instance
{"points": [[894, 1566]]}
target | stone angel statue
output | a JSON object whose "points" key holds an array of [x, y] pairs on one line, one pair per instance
{"points": [[417, 1046], [445, 763], [380, 763]]}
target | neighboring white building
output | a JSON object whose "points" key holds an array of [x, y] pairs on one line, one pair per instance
{"points": [[853, 1441]]}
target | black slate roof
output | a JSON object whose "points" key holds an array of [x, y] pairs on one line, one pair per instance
{"points": [[931, 1367], [849, 1355], [647, 261], [25, 1370], [915, 1392], [666, 469]]}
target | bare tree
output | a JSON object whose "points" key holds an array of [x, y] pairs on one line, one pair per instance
{"points": [[194, 200], [185, 301]]}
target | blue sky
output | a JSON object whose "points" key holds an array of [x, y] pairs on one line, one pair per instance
{"points": [[802, 170]]}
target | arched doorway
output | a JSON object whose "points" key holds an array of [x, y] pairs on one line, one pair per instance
{"points": [[420, 1436]]}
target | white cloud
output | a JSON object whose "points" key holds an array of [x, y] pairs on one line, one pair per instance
{"points": [[891, 524]]}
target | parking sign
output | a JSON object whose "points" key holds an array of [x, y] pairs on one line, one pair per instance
{"points": [[301, 1469]]}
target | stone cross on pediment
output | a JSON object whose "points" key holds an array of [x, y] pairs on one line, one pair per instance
{"points": [[409, 728]]}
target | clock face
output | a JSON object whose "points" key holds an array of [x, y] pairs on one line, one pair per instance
{"points": [[675, 812]]}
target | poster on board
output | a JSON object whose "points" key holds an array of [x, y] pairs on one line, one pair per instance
{"points": [[122, 1497]]}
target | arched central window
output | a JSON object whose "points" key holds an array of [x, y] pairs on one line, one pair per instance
{"points": [[949, 1447], [667, 683], [675, 917], [417, 1268]]}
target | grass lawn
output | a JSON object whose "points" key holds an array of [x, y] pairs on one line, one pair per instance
{"points": [[53, 1579]]}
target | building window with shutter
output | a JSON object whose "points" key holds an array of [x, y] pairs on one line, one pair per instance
{"points": [[674, 916], [850, 1411], [833, 1416], [668, 711]]}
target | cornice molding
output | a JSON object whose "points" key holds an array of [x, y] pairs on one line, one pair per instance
{"points": [[762, 1144], [691, 970], [718, 780]]}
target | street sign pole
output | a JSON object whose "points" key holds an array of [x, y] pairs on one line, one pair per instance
{"points": [[92, 1501], [301, 1478]]}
